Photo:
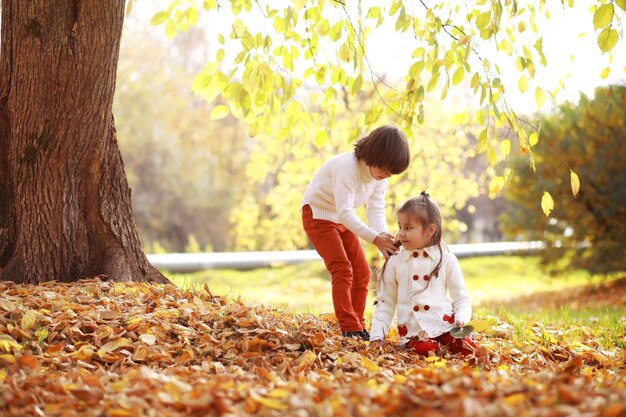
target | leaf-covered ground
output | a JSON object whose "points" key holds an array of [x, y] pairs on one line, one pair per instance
{"points": [[105, 349]]}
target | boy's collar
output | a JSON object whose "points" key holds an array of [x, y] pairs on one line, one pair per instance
{"points": [[365, 169]]}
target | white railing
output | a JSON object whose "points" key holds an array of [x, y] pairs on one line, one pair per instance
{"points": [[190, 262]]}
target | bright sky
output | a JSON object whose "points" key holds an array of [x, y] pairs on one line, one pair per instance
{"points": [[570, 47], [573, 58]]}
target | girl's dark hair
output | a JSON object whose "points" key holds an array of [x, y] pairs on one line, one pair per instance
{"points": [[385, 147], [427, 212]]}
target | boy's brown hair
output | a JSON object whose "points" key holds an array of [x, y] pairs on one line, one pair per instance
{"points": [[385, 147]]}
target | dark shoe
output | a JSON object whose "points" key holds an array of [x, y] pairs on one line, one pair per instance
{"points": [[355, 334], [365, 335]]}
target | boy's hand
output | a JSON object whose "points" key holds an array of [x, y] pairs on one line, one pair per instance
{"points": [[459, 323], [384, 243]]}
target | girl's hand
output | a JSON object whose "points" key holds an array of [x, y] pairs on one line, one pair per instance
{"points": [[459, 323], [376, 345], [384, 243]]}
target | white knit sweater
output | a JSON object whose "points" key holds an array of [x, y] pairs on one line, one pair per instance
{"points": [[342, 184]]}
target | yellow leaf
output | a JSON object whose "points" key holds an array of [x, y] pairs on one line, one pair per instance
{"points": [[533, 139], [148, 339], [278, 393], [505, 147], [575, 181], [118, 412], [400, 378], [219, 112], [514, 400], [85, 353], [369, 365], [28, 319], [159, 18], [605, 73], [134, 320], [540, 97], [6, 305], [112, 346], [522, 84], [272, 403], [7, 343], [306, 359], [547, 204], [7, 358], [480, 325], [607, 39], [170, 29]]}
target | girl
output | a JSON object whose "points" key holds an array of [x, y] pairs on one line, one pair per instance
{"points": [[342, 184], [416, 283]]}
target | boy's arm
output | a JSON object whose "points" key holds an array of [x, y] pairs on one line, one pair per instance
{"points": [[386, 299], [376, 207], [344, 184], [458, 292]]}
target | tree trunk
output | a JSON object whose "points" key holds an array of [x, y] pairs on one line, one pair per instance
{"points": [[65, 210]]}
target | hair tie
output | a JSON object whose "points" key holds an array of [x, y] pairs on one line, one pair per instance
{"points": [[425, 194]]}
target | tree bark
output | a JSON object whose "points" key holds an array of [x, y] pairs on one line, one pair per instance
{"points": [[65, 206]]}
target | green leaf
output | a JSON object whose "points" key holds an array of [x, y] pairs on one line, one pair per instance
{"points": [[159, 18], [209, 5], [603, 16], [239, 29], [373, 12], [372, 115], [483, 19], [607, 39], [547, 203], [458, 75], [356, 85], [200, 82], [506, 47], [540, 97], [219, 112], [461, 332], [321, 138]]}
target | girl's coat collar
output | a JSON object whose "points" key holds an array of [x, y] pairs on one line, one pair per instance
{"points": [[427, 252]]}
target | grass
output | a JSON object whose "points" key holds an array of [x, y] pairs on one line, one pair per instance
{"points": [[306, 287], [299, 288], [493, 281]]}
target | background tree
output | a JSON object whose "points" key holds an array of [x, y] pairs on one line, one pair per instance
{"points": [[589, 231], [65, 210], [185, 169], [268, 214]]}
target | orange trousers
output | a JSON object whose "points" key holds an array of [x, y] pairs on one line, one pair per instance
{"points": [[345, 259]]}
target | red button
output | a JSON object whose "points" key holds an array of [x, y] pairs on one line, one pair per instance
{"points": [[415, 277], [426, 308], [416, 254], [416, 308], [426, 277], [425, 254]]}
